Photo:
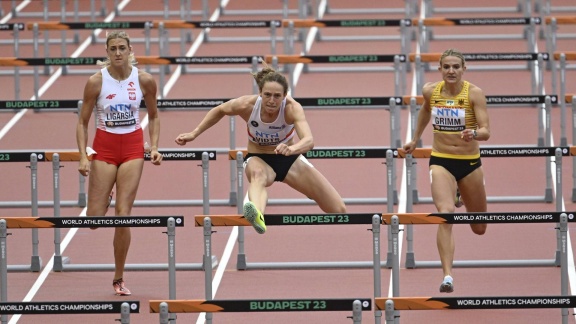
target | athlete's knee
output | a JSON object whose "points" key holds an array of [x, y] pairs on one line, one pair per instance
{"points": [[340, 207], [479, 229], [337, 207], [257, 175]]}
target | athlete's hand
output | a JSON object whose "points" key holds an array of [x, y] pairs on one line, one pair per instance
{"points": [[155, 157], [84, 167], [283, 149], [184, 138], [409, 147], [467, 135]]}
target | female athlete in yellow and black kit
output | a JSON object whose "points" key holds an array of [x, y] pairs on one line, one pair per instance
{"points": [[457, 109]]}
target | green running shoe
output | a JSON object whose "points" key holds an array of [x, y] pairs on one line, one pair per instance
{"points": [[255, 217]]}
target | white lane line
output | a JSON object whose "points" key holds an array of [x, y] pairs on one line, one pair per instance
{"points": [[18, 8], [21, 113], [47, 270], [221, 268]]}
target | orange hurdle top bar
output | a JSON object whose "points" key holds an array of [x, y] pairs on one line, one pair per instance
{"points": [[569, 55], [561, 20]]}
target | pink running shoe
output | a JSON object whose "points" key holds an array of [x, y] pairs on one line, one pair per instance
{"points": [[119, 288]]}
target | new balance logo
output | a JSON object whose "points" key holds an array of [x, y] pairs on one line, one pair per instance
{"points": [[111, 96]]}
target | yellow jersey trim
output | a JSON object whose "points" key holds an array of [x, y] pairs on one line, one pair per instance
{"points": [[456, 156]]}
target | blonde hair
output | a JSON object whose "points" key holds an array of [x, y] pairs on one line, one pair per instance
{"points": [[114, 35], [268, 74], [455, 53]]}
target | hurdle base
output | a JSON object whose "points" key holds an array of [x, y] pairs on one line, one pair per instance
{"points": [[241, 263], [213, 260], [18, 268], [503, 199], [133, 267], [557, 259], [59, 262], [311, 265], [82, 202], [489, 263], [233, 201], [35, 263], [389, 258], [410, 261], [548, 195]]}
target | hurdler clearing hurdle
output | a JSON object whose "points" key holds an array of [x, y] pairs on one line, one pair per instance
{"points": [[274, 121]]}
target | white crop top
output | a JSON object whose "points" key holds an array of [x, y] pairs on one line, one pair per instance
{"points": [[118, 105], [269, 134]]}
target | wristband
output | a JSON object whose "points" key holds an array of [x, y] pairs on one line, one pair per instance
{"points": [[474, 134]]}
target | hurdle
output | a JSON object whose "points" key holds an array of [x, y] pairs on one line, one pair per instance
{"points": [[543, 103], [390, 200], [356, 305], [57, 222], [389, 305], [552, 35], [497, 151], [207, 221], [561, 218], [64, 12], [563, 58], [251, 61], [302, 9], [404, 25], [571, 98], [124, 308], [62, 263], [69, 156], [410, 9], [557, 152], [398, 67], [332, 153], [523, 6], [535, 65], [426, 34]]}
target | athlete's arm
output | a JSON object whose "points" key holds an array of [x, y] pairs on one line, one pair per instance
{"points": [[478, 101], [241, 106], [424, 116], [295, 115], [149, 89], [91, 92]]}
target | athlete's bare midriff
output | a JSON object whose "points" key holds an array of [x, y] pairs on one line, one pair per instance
{"points": [[453, 144]]}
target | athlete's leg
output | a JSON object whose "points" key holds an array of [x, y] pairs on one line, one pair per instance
{"points": [[260, 175], [473, 193], [443, 192], [127, 181], [306, 179], [101, 181]]}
